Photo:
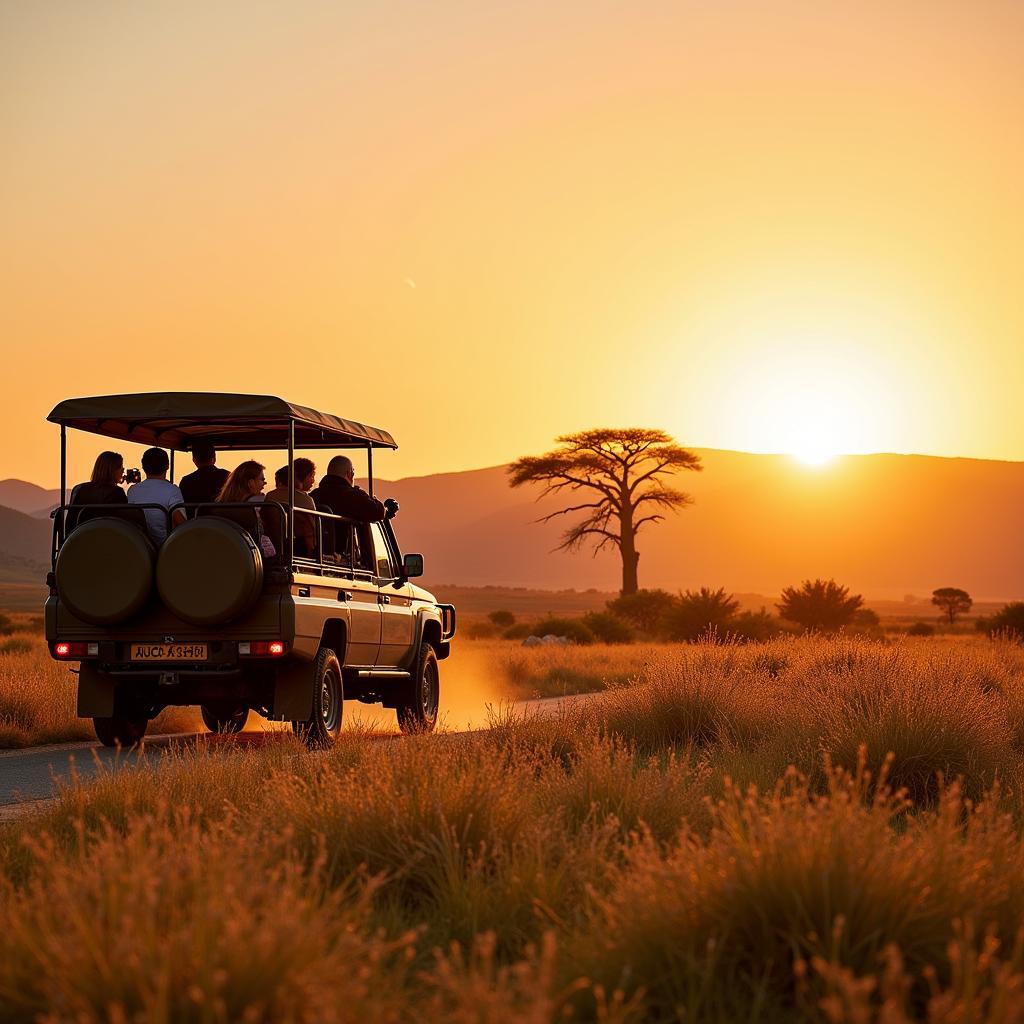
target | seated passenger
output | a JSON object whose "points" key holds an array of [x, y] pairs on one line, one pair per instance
{"points": [[245, 483], [102, 488], [207, 481], [338, 491], [156, 489], [305, 526]]}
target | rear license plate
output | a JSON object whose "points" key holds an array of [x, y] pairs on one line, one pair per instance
{"points": [[169, 652]]}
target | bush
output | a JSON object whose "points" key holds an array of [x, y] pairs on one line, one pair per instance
{"points": [[1009, 619], [823, 604], [502, 619], [644, 609], [756, 627], [609, 628], [696, 613], [921, 629], [16, 645], [520, 631], [574, 629], [5, 623]]}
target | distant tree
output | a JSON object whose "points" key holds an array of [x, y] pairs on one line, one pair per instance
{"points": [[821, 604], [921, 629], [609, 628], [620, 474], [645, 609], [502, 619], [952, 601], [699, 611]]}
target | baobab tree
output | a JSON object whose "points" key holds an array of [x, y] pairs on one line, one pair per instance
{"points": [[620, 474]]}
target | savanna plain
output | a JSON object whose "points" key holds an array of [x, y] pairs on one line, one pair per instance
{"points": [[813, 828]]}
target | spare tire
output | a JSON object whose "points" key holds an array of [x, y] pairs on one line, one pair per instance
{"points": [[105, 570], [210, 571]]}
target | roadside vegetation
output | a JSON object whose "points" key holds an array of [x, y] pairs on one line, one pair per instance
{"points": [[819, 829]]}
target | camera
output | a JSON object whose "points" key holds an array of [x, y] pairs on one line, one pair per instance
{"points": [[132, 476]]}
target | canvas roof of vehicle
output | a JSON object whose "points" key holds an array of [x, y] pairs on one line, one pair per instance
{"points": [[175, 419]]}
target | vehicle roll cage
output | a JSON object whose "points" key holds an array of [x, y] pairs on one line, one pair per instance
{"points": [[232, 422]]}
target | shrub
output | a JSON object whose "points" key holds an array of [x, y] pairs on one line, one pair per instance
{"points": [[16, 645], [921, 629], [866, 622], [1009, 619], [574, 629], [696, 613], [609, 628], [520, 631], [5, 623], [645, 609], [756, 627], [502, 619], [821, 604]]}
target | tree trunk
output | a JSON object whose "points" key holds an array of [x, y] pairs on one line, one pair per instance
{"points": [[627, 548]]}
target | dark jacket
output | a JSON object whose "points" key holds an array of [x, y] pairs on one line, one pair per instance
{"points": [[93, 494], [203, 485], [345, 500]]}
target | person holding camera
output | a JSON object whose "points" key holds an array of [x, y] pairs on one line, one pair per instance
{"points": [[156, 489], [102, 488]]}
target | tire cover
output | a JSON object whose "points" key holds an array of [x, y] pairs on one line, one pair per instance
{"points": [[105, 571], [209, 571]]}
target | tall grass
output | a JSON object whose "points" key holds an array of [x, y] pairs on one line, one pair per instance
{"points": [[639, 856]]}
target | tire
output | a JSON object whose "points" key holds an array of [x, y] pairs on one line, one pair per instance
{"points": [[324, 725], [218, 722], [120, 731], [419, 713]]}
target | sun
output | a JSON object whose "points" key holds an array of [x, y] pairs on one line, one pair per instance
{"points": [[814, 455]]}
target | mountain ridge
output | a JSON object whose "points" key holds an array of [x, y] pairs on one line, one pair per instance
{"points": [[885, 524]]}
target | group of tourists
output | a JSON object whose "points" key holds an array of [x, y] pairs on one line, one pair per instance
{"points": [[169, 504]]}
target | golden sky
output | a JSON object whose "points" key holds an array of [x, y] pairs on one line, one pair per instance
{"points": [[770, 226]]}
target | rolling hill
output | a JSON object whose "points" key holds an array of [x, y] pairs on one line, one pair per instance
{"points": [[887, 525]]}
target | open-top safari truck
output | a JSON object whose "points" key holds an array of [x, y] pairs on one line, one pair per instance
{"points": [[207, 618]]}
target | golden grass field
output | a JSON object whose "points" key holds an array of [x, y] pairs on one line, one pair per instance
{"points": [[812, 829]]}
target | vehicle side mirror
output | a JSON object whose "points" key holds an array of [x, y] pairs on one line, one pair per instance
{"points": [[412, 565]]}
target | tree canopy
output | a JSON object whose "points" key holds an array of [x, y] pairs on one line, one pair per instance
{"points": [[953, 601], [618, 477]]}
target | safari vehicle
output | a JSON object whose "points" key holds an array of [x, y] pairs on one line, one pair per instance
{"points": [[209, 619]]}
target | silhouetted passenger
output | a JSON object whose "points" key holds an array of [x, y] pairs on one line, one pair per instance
{"points": [[156, 489], [206, 483], [305, 526], [102, 488], [337, 490], [246, 483]]}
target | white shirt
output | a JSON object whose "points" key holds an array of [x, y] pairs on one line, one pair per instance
{"points": [[156, 492]]}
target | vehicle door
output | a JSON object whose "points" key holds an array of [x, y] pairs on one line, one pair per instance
{"points": [[397, 622], [361, 595]]}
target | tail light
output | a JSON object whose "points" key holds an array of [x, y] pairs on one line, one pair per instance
{"points": [[262, 648], [73, 650]]}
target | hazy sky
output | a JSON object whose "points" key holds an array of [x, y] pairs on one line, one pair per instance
{"points": [[759, 225]]}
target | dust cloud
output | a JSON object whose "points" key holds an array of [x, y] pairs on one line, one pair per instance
{"points": [[471, 680]]}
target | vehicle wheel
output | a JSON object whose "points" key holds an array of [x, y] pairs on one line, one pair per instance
{"points": [[324, 725], [120, 731], [420, 713], [232, 722]]}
